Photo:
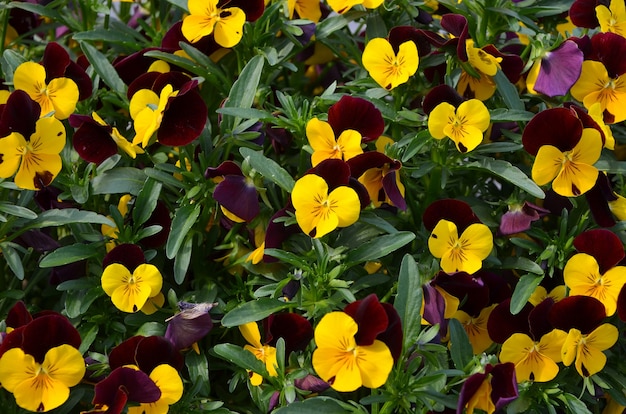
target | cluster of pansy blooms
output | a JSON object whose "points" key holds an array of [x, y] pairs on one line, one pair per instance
{"points": [[292, 205]]}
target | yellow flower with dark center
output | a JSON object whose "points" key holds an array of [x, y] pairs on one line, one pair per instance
{"points": [[385, 67], [319, 210], [264, 353], [206, 18], [464, 125], [464, 253], [322, 139], [476, 328], [582, 276], [596, 86], [344, 364], [37, 161], [613, 18], [572, 172], [59, 96], [534, 361], [167, 379], [481, 60], [129, 292], [585, 351], [41, 387]]}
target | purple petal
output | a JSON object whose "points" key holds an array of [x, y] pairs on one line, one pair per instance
{"points": [[609, 48], [559, 127], [559, 70], [584, 313], [19, 114], [502, 323], [604, 245], [503, 384], [18, 315], [295, 329], [311, 383], [189, 326], [93, 142], [239, 196], [469, 388], [135, 384], [390, 185], [180, 125], [55, 60], [356, 114], [129, 255], [370, 316], [456, 211]]}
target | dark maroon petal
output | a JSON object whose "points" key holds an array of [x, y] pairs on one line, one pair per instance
{"points": [[439, 94], [145, 352], [392, 336], [70, 271], [456, 211], [390, 186], [621, 304], [135, 65], [118, 401], [311, 383], [239, 196], [55, 60], [38, 241], [252, 8], [604, 245], [361, 191], [471, 292], [180, 82], [189, 326], [555, 203], [597, 199], [586, 119], [356, 114], [124, 353], [469, 388], [512, 65], [76, 73], [93, 142], [77, 120], [46, 332], [144, 81], [502, 323], [370, 316], [20, 114], [183, 119], [559, 127], [370, 159], [584, 313], [225, 168], [134, 384], [609, 48], [583, 14], [503, 384], [160, 217], [129, 255], [499, 288], [538, 319], [18, 315], [335, 172], [559, 70], [401, 34], [456, 25], [435, 308], [296, 330]]}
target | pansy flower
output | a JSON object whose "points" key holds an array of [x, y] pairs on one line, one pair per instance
{"points": [[457, 237], [320, 210], [519, 217], [95, 140], [40, 362], [342, 6], [236, 193], [159, 105], [347, 355], [564, 151], [188, 326], [357, 114], [464, 125], [476, 80], [131, 290], [390, 65], [594, 271], [587, 337], [613, 18], [554, 73], [490, 390], [305, 9], [30, 146], [325, 146]]}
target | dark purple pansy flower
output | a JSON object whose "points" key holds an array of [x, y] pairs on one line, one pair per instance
{"points": [[235, 192], [387, 171], [512, 65], [122, 385], [519, 217], [472, 293], [47, 198], [503, 384], [295, 330], [311, 383], [584, 313], [18, 316], [19, 114], [456, 211], [92, 141], [146, 352], [559, 127], [337, 173], [435, 309], [559, 70], [189, 325], [502, 323], [357, 114], [58, 64], [401, 34], [604, 245], [160, 217]]}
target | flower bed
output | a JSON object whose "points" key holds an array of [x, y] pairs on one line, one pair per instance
{"points": [[299, 206]]}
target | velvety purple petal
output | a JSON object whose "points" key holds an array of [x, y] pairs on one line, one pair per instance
{"points": [[370, 316], [189, 326], [295, 329], [392, 336], [55, 60], [584, 313], [621, 304], [361, 191], [180, 82], [471, 292], [129, 255], [239, 196], [145, 352], [604, 245], [225, 168], [434, 309], [401, 34], [276, 233], [499, 288], [597, 199], [586, 119], [538, 319], [161, 217], [93, 142], [143, 81], [357, 114], [134, 65], [252, 8], [502, 323], [559, 70], [43, 333], [174, 36], [583, 14], [609, 48], [512, 65], [70, 271], [18, 315], [183, 120], [469, 388], [456, 211], [559, 127], [38, 241], [456, 25], [311, 383], [390, 185], [519, 219], [19, 114], [85, 86], [335, 172], [439, 94], [136, 385], [503, 384], [370, 159]]}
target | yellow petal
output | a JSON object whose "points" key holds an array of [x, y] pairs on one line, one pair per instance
{"points": [[603, 337], [593, 77], [342, 6], [350, 143], [167, 379], [387, 69], [320, 135], [196, 27], [11, 154], [250, 332], [38, 170], [570, 346], [443, 235], [475, 113], [30, 77], [337, 367], [149, 275], [439, 118], [63, 93], [142, 99], [15, 368], [307, 196], [581, 271], [530, 363], [547, 164], [336, 330], [532, 76], [345, 204], [477, 243], [575, 179], [229, 30], [375, 363]]}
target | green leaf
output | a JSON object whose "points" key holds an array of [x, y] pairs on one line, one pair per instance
{"points": [[240, 357], [245, 113], [103, 68], [122, 180], [69, 254], [59, 217], [574, 405], [253, 311], [507, 171], [288, 257], [182, 260], [198, 369], [117, 33], [508, 91], [244, 90], [13, 260], [522, 263], [17, 211], [146, 201], [316, 405], [183, 221], [510, 115], [10, 61], [408, 301], [329, 26], [460, 347], [379, 247], [524, 288], [268, 168]]}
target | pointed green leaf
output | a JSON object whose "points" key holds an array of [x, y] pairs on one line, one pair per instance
{"points": [[240, 357], [183, 221], [268, 168], [17, 211], [524, 288], [122, 180], [507, 171], [460, 347], [59, 217], [408, 300], [379, 247], [69, 254], [13, 260], [253, 311], [103, 68], [243, 91], [182, 260], [146, 201]]}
